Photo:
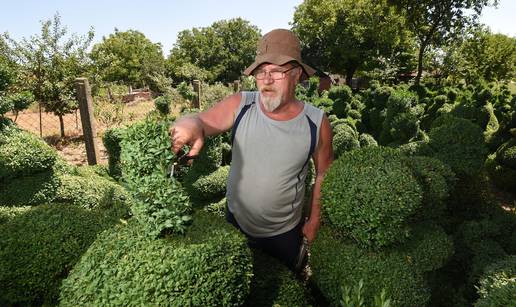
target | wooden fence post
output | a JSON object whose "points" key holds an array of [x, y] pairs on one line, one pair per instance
{"points": [[197, 89], [87, 119], [236, 86]]}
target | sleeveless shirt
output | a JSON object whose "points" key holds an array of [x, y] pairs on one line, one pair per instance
{"points": [[266, 183]]}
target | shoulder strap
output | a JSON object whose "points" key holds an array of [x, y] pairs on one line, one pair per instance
{"points": [[249, 100]]}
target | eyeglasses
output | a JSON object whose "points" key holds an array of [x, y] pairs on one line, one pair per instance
{"points": [[275, 74]]}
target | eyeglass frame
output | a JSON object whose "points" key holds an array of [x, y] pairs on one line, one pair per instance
{"points": [[269, 73]]}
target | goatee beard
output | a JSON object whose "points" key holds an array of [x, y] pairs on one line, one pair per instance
{"points": [[270, 103]]}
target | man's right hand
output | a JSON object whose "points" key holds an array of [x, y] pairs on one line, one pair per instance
{"points": [[187, 131]]}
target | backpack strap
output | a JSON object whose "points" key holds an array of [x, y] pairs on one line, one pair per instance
{"points": [[249, 101]]}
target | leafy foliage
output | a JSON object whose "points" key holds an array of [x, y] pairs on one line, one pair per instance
{"points": [[128, 57], [337, 262], [209, 266], [209, 187], [40, 246], [345, 138], [159, 201], [498, 284], [111, 140], [369, 195]]}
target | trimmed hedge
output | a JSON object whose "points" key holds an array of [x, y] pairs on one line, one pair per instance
{"points": [[209, 187], [498, 284], [335, 262], [112, 139], [459, 143], [23, 153], [209, 266], [506, 154], [7, 213], [502, 176], [30, 190], [40, 246], [369, 195], [367, 140], [273, 284]]}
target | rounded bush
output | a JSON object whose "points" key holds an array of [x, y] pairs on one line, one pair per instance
{"points": [[341, 96], [437, 181], [502, 176], [402, 118], [39, 247], [416, 148], [273, 284], [498, 283], [506, 154], [369, 195], [30, 190], [336, 262], [427, 249], [210, 266], [209, 187], [344, 139], [162, 104], [459, 143], [23, 153], [112, 139], [7, 213], [367, 140]]}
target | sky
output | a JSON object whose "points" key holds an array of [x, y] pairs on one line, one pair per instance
{"points": [[161, 21]]}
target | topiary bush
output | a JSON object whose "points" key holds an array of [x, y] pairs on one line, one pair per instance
{"points": [[437, 181], [345, 138], [502, 176], [159, 202], [209, 266], [341, 96], [30, 190], [459, 143], [40, 246], [367, 140], [209, 187], [7, 213], [112, 139], [506, 154], [162, 104], [273, 284], [370, 195], [335, 262], [23, 153], [497, 286]]}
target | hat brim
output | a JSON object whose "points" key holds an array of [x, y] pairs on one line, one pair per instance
{"points": [[277, 59]]}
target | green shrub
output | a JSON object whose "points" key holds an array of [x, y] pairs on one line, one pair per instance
{"points": [[30, 190], [211, 94], [159, 202], [367, 140], [336, 262], [218, 208], [341, 96], [428, 249], [39, 247], [162, 104], [498, 283], [416, 148], [210, 157], [112, 139], [345, 138], [7, 213], [369, 195], [209, 266], [209, 187], [502, 176], [23, 153], [89, 192], [458, 143], [437, 181], [273, 284], [506, 154]]}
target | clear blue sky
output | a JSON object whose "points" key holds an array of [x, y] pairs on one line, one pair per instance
{"points": [[161, 20]]}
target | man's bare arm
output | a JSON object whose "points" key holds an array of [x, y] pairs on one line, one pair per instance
{"points": [[323, 157], [191, 129]]}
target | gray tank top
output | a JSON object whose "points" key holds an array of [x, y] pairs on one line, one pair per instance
{"points": [[266, 182]]}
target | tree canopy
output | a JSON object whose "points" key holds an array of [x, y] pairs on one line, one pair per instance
{"points": [[219, 52], [128, 57], [344, 35]]}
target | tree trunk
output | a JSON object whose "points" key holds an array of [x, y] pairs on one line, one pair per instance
{"points": [[349, 76], [420, 62], [61, 124]]}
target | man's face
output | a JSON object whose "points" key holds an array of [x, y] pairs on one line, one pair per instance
{"points": [[276, 84]]}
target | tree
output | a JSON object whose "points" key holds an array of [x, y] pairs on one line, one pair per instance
{"points": [[49, 64], [343, 35], [482, 55], [128, 57], [437, 22], [219, 52]]}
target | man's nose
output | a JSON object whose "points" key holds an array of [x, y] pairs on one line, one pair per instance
{"points": [[268, 78]]}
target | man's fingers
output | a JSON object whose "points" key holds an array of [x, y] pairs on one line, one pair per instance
{"points": [[196, 147]]}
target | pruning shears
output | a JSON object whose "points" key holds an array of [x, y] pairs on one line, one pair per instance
{"points": [[302, 255], [181, 158]]}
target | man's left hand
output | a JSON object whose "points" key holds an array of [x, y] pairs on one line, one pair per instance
{"points": [[310, 229]]}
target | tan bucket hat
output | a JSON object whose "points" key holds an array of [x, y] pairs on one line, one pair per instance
{"points": [[279, 47]]}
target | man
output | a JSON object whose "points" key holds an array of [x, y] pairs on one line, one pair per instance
{"points": [[274, 136]]}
